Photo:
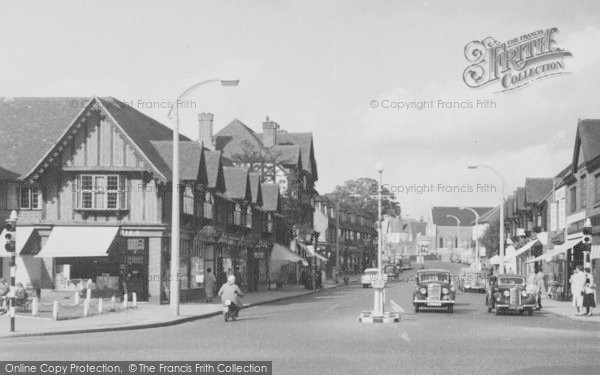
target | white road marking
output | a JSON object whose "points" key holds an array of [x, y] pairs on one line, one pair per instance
{"points": [[328, 310], [396, 307], [402, 333]]}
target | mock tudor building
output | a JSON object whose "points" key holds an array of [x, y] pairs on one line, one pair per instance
{"points": [[93, 197]]}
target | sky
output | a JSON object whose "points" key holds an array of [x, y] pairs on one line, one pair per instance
{"points": [[319, 66]]}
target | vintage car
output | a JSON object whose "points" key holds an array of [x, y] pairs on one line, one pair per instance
{"points": [[369, 276], [471, 280], [391, 271], [509, 293], [434, 289]]}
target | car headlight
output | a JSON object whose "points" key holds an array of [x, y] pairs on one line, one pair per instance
{"points": [[423, 291], [506, 293], [524, 293], [444, 290]]}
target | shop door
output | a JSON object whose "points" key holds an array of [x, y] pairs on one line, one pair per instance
{"points": [[136, 268]]}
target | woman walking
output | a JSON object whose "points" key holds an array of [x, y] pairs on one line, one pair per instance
{"points": [[577, 280], [589, 297], [209, 285]]}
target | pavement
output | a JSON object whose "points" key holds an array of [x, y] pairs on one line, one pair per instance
{"points": [[145, 315], [320, 333]]}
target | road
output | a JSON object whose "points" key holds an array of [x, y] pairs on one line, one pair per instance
{"points": [[320, 334]]}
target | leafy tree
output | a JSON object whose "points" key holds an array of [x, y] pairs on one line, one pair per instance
{"points": [[361, 195], [490, 239]]}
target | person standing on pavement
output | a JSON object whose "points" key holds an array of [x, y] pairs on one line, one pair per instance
{"points": [[577, 281], [209, 285], [541, 287], [589, 297]]}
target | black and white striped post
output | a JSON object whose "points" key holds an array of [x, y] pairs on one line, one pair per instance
{"points": [[10, 238]]}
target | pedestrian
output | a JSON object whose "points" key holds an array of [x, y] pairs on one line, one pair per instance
{"points": [[4, 289], [541, 287], [589, 292], [209, 285], [238, 276], [577, 281]]}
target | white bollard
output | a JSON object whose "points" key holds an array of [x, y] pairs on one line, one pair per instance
{"points": [[55, 310], [124, 301], [86, 308], [134, 300], [34, 306], [76, 298], [113, 304], [100, 305], [88, 294]]}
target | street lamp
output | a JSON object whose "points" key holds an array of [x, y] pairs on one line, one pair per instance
{"points": [[501, 224], [174, 282], [378, 301], [476, 234], [457, 228]]}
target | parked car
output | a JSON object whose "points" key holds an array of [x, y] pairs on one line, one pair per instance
{"points": [[404, 263], [471, 280], [434, 288], [391, 271], [509, 293], [369, 276]]}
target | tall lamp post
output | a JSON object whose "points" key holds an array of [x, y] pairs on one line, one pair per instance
{"points": [[476, 234], [457, 228], [174, 281], [501, 224], [378, 301]]}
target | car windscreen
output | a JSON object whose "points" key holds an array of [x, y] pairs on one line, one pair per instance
{"points": [[429, 277], [511, 281]]}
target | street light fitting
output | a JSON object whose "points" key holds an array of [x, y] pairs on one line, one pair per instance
{"points": [[230, 83], [379, 167], [472, 166]]}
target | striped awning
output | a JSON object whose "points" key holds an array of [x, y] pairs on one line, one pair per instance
{"points": [[522, 249], [556, 251]]}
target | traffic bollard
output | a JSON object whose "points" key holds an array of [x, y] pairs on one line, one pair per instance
{"points": [[88, 294], [113, 304], [100, 305], [34, 306], [55, 310], [124, 301], [134, 300], [86, 308]]}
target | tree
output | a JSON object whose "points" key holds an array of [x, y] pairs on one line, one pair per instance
{"points": [[361, 195], [260, 160], [490, 239]]}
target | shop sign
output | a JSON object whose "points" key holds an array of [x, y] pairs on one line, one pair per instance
{"points": [[259, 255]]}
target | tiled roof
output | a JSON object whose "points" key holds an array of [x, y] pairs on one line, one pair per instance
{"points": [[305, 141], [270, 194], [238, 140], [255, 188], [141, 129], [190, 156], [439, 218], [286, 154], [520, 197], [35, 125], [536, 189], [588, 131], [212, 161], [236, 183]]}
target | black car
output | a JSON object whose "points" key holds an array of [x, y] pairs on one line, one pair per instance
{"points": [[509, 293], [434, 289]]}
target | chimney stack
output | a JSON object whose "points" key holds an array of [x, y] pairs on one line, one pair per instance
{"points": [[269, 133], [205, 130]]}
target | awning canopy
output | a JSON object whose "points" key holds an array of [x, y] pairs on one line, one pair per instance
{"points": [[556, 251], [310, 249], [282, 253], [23, 235], [595, 252], [522, 249], [79, 242], [495, 259]]}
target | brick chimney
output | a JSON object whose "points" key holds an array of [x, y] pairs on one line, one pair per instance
{"points": [[205, 130], [269, 136]]}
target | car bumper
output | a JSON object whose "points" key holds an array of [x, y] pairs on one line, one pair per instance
{"points": [[433, 302], [513, 307]]}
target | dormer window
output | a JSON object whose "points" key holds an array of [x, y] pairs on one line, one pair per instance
{"points": [[237, 215], [249, 217], [208, 206]]}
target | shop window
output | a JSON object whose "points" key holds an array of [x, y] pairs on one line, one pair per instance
{"points": [[101, 192], [208, 206], [188, 200]]}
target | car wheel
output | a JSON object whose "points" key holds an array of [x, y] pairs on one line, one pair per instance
{"points": [[450, 309], [530, 312], [497, 311], [226, 316], [416, 308]]}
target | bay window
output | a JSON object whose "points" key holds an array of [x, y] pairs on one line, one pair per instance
{"points": [[101, 192]]}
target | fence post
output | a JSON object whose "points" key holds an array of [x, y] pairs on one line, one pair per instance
{"points": [[113, 304], [88, 294], [76, 298], [34, 306], [134, 300], [100, 305], [125, 301], [55, 310], [86, 308]]}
